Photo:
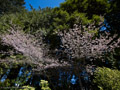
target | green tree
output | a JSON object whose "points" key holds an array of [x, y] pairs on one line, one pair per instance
{"points": [[113, 17], [61, 20], [10, 6], [99, 7]]}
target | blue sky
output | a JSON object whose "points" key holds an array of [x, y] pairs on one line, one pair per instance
{"points": [[42, 3]]}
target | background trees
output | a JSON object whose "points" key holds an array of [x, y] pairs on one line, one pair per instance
{"points": [[86, 6], [113, 17], [11, 6]]}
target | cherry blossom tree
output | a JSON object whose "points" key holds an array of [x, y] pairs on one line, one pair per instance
{"points": [[30, 47]]}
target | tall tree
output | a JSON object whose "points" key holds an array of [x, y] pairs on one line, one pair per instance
{"points": [[113, 17], [99, 7], [9, 6]]}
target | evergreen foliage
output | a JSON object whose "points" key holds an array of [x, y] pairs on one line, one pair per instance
{"points": [[91, 7], [33, 21], [107, 79], [11, 6], [112, 59], [113, 17]]}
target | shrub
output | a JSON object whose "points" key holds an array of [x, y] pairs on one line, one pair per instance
{"points": [[27, 88], [107, 79], [44, 85]]}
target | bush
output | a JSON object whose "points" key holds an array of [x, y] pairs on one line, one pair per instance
{"points": [[27, 88], [107, 79], [44, 85]]}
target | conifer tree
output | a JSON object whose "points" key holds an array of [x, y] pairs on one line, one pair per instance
{"points": [[10, 6]]}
